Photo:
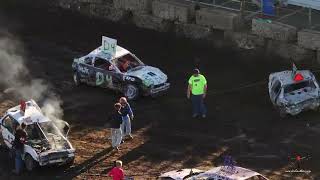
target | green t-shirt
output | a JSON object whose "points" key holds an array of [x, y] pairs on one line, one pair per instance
{"points": [[197, 84]]}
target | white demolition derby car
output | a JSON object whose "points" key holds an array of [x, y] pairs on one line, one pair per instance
{"points": [[111, 66], [46, 144], [294, 91], [217, 173]]}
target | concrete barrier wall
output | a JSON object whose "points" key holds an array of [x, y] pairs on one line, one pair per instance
{"points": [[309, 39], [134, 5], [151, 22], [291, 51], [172, 10], [217, 19], [274, 30], [192, 31], [183, 19]]}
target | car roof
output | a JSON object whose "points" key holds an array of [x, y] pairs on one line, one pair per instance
{"points": [[181, 173], [286, 77], [120, 51], [233, 173], [31, 115]]}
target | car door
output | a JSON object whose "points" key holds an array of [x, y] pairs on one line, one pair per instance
{"points": [[8, 126], [275, 91], [85, 68], [106, 74]]}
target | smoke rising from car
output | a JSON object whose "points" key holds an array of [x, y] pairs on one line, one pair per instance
{"points": [[17, 79], [52, 109]]}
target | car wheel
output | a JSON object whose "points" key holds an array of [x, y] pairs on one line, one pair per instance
{"points": [[131, 92], [68, 164], [76, 79], [29, 162], [282, 113]]}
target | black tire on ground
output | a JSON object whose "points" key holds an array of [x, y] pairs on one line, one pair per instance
{"points": [[131, 92], [76, 79], [30, 163]]}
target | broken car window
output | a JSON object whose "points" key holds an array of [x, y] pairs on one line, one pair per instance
{"points": [[9, 124], [101, 63], [127, 62], [34, 132], [49, 129], [301, 85]]}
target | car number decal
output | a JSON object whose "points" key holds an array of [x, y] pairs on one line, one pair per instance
{"points": [[101, 78]]}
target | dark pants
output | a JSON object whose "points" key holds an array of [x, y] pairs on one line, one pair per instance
{"points": [[198, 107], [18, 160]]}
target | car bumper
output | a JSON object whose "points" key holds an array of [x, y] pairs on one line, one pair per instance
{"points": [[158, 90], [311, 104], [49, 160]]}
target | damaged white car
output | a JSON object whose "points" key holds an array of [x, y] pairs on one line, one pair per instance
{"points": [[217, 173], [46, 143], [111, 66], [292, 92]]}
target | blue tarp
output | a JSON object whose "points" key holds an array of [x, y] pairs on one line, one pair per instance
{"points": [[268, 7]]}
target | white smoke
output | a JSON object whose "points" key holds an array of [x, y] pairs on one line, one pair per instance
{"points": [[52, 109], [16, 79], [14, 73]]}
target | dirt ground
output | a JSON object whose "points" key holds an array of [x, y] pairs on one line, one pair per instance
{"points": [[241, 121]]}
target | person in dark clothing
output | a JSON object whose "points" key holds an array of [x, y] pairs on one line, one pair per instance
{"points": [[115, 122], [18, 146]]}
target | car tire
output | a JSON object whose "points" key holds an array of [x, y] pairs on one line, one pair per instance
{"points": [[131, 92], [29, 162], [68, 164], [76, 79], [282, 114]]}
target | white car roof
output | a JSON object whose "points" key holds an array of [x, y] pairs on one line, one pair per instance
{"points": [[285, 77], [237, 173], [179, 174], [120, 51], [31, 115]]}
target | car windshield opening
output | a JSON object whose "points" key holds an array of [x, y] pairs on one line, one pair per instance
{"points": [[297, 86], [101, 63], [49, 129], [127, 62], [34, 132]]}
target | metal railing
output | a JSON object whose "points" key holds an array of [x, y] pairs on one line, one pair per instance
{"points": [[298, 16]]}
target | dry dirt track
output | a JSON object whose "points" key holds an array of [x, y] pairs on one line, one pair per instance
{"points": [[241, 122]]}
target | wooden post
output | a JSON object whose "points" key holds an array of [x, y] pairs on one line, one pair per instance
{"points": [[242, 7], [310, 16]]}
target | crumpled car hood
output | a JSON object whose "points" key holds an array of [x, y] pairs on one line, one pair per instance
{"points": [[149, 75]]}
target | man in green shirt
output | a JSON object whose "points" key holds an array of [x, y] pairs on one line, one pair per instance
{"points": [[197, 87]]}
